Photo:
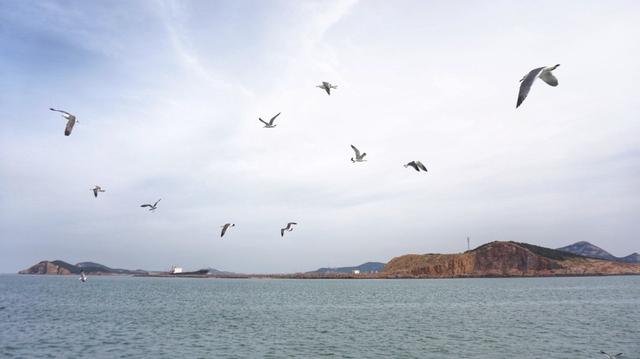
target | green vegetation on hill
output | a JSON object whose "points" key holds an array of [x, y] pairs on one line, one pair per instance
{"points": [[548, 252]]}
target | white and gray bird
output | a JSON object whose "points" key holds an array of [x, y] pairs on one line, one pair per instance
{"points": [[610, 356], [416, 165], [288, 228], [71, 120], [327, 87], [270, 123], [359, 157], [225, 227], [83, 277], [544, 73], [152, 207], [97, 189]]}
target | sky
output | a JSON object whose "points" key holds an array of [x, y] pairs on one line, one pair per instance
{"points": [[168, 95]]}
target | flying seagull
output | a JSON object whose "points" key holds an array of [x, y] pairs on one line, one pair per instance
{"points": [[417, 165], [270, 123], [83, 278], [359, 157], [327, 87], [96, 189], [71, 120], [543, 73], [225, 227], [152, 207], [289, 228], [610, 356]]}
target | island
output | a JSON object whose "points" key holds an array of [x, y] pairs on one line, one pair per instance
{"points": [[494, 259]]}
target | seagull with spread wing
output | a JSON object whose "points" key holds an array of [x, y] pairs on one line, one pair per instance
{"points": [[327, 87], [359, 157], [288, 228], [225, 227], [610, 356], [97, 189], [270, 123], [71, 120], [416, 165], [543, 73], [152, 207]]}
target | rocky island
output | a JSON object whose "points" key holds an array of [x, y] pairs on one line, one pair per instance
{"points": [[504, 259], [494, 259]]}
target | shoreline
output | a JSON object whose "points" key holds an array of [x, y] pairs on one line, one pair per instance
{"points": [[372, 276]]}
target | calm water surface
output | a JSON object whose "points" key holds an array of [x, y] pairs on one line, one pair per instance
{"points": [[126, 317]]}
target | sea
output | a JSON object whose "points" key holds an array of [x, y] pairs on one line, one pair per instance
{"points": [[136, 317]]}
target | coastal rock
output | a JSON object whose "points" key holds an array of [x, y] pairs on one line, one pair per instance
{"points": [[47, 267], [503, 259], [61, 268]]}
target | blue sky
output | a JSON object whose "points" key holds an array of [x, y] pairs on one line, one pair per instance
{"points": [[168, 95]]}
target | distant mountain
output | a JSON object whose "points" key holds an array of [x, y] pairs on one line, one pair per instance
{"points": [[589, 250], [369, 267], [90, 267], [631, 258], [62, 267], [503, 259], [214, 271]]}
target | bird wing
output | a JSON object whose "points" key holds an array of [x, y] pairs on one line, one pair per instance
{"points": [[273, 118], [95, 192], [525, 86], [261, 120], [282, 232], [157, 202], [617, 355], [64, 112], [421, 166], [413, 165], [146, 205], [224, 229], [356, 150], [292, 224], [548, 77], [70, 123]]}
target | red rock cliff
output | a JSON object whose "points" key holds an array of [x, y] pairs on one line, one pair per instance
{"points": [[504, 259]]}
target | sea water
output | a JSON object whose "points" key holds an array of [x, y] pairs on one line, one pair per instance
{"points": [[129, 317]]}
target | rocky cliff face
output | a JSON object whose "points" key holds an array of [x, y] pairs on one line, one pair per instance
{"points": [[46, 267], [503, 259], [62, 267]]}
